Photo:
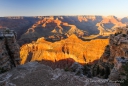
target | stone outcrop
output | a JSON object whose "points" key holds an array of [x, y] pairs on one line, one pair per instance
{"points": [[63, 52], [114, 56], [124, 20], [35, 74], [9, 51], [77, 68], [118, 69]]}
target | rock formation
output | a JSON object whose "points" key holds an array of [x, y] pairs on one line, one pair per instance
{"points": [[9, 51], [77, 68], [18, 24], [108, 24], [114, 57], [107, 56], [55, 28], [71, 50], [35, 74], [52, 29], [116, 72], [124, 20]]}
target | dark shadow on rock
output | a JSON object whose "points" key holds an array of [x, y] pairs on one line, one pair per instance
{"points": [[103, 67], [29, 57], [64, 63]]}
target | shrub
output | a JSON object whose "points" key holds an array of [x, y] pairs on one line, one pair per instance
{"points": [[124, 35], [2, 70], [86, 68], [66, 69], [117, 33], [125, 67]]}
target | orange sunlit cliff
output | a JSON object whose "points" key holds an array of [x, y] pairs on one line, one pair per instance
{"points": [[72, 47]]}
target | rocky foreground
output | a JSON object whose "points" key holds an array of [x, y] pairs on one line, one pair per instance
{"points": [[35, 74]]}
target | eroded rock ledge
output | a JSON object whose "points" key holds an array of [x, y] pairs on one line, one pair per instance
{"points": [[114, 57], [9, 50], [35, 74]]}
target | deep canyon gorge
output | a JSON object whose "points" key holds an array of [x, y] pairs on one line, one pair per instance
{"points": [[59, 41]]}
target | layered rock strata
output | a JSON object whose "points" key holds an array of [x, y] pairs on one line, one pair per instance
{"points": [[111, 60], [63, 53], [9, 52]]}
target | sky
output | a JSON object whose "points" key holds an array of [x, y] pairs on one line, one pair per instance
{"points": [[118, 8]]}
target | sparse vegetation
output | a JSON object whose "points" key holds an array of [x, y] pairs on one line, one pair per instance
{"points": [[86, 68], [124, 35], [117, 33], [125, 67], [7, 31], [2, 70], [66, 69]]}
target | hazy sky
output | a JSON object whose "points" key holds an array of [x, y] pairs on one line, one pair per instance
{"points": [[118, 8]]}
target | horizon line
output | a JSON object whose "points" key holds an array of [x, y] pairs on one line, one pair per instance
{"points": [[60, 15]]}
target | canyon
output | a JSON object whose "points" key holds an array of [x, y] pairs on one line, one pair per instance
{"points": [[63, 53], [56, 28], [60, 41]]}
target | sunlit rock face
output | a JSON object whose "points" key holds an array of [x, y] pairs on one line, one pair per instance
{"points": [[118, 44], [108, 24], [70, 50]]}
